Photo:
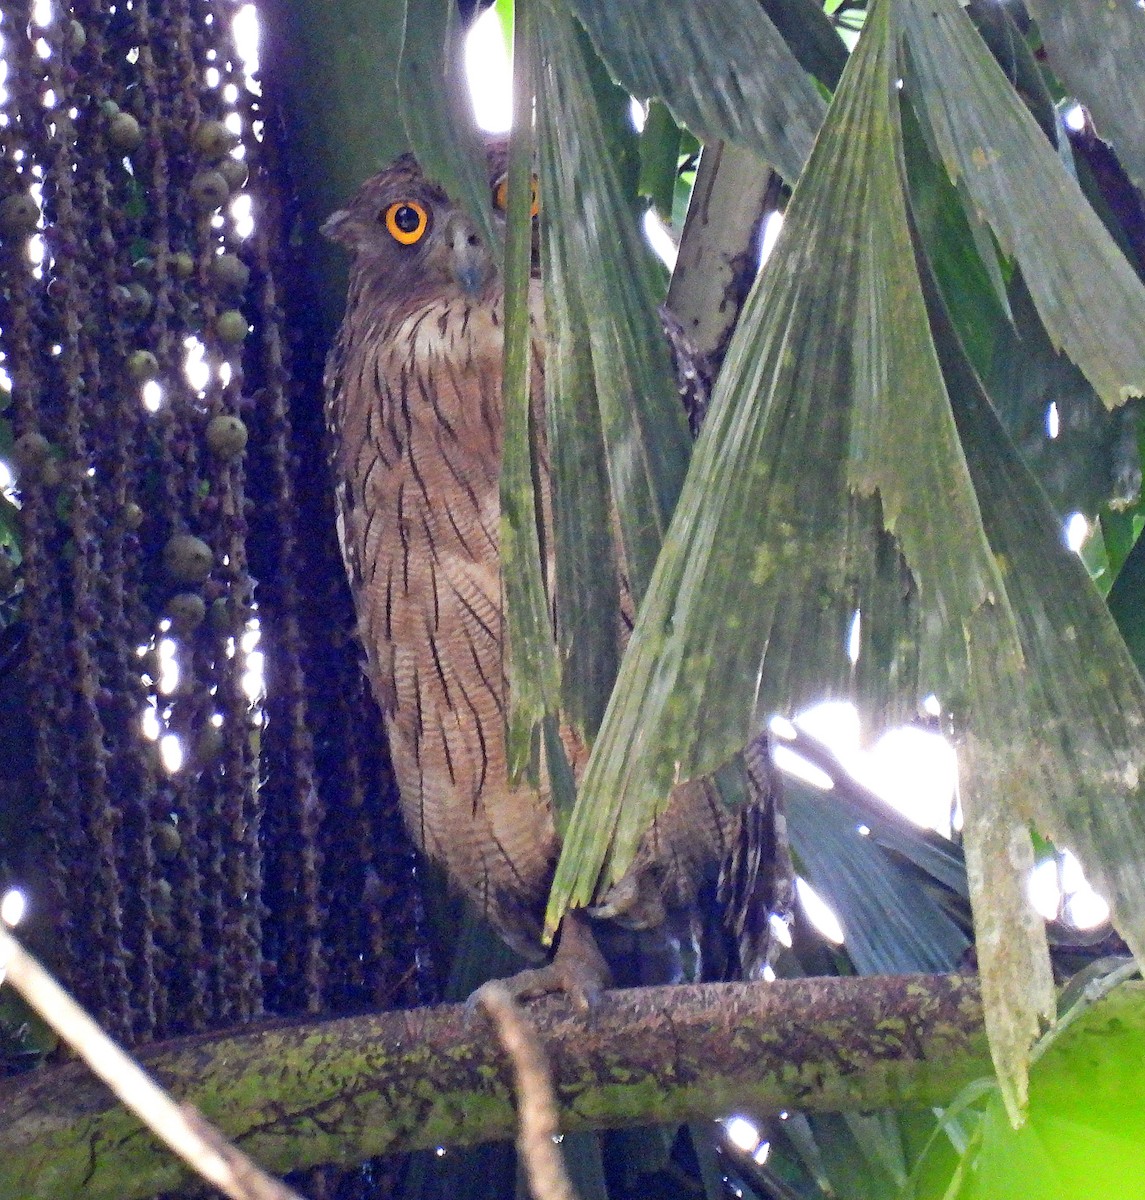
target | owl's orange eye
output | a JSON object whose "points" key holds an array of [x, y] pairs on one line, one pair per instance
{"points": [[501, 195], [406, 221]]}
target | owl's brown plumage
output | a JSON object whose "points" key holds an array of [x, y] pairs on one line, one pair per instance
{"points": [[414, 404], [414, 400]]}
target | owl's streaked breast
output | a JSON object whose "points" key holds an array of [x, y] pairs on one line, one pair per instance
{"points": [[416, 408]]}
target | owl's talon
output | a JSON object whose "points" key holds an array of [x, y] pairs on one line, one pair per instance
{"points": [[578, 970]]}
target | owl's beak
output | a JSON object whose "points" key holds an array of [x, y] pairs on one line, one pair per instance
{"points": [[469, 261]]}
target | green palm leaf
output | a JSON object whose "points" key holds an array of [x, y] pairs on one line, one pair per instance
{"points": [[588, 585], [787, 461], [534, 673], [434, 108], [1090, 301], [747, 88], [831, 479], [604, 264], [1097, 51]]}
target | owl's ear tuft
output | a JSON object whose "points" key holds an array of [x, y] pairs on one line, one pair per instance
{"points": [[337, 228]]}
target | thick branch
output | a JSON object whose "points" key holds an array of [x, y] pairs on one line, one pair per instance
{"points": [[719, 248], [294, 1095]]}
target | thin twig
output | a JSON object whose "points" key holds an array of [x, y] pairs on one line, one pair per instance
{"points": [[537, 1121], [181, 1127]]}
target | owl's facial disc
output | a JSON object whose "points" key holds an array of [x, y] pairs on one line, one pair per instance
{"points": [[467, 258]]}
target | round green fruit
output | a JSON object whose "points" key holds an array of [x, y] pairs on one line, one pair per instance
{"points": [[187, 558], [124, 132], [226, 436], [209, 191], [231, 327]]}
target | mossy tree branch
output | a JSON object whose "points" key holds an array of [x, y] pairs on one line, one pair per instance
{"points": [[293, 1095]]}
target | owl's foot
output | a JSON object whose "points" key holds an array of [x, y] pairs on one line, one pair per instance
{"points": [[578, 968], [635, 902]]}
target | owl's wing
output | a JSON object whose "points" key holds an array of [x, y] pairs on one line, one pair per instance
{"points": [[718, 855]]}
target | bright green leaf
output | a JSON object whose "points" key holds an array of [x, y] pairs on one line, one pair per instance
{"points": [[659, 158], [1086, 1124]]}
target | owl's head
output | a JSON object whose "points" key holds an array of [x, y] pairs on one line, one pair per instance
{"points": [[406, 229]]}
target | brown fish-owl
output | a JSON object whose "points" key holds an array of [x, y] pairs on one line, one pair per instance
{"points": [[414, 404], [414, 395]]}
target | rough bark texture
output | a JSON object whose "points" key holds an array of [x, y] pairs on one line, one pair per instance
{"points": [[293, 1095]]}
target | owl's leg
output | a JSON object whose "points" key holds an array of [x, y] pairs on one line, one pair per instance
{"points": [[578, 968]]}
